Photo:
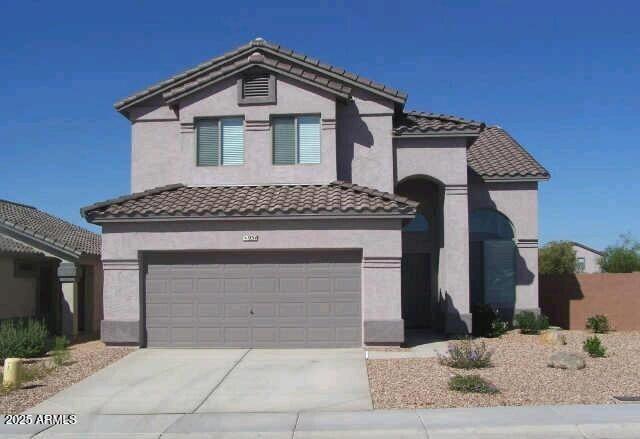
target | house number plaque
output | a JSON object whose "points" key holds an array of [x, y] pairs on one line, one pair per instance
{"points": [[250, 237]]}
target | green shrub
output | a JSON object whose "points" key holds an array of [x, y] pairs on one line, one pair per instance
{"points": [[23, 338], [487, 323], [598, 324], [466, 354], [593, 346], [530, 323], [471, 384], [61, 354]]}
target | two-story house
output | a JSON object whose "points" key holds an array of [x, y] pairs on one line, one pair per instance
{"points": [[278, 201]]}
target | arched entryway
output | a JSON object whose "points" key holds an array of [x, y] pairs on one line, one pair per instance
{"points": [[492, 260], [421, 243]]}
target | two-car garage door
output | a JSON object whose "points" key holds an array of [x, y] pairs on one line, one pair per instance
{"points": [[292, 299]]}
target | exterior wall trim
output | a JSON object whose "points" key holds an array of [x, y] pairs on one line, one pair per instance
{"points": [[248, 217]]}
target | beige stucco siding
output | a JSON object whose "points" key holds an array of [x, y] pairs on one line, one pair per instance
{"points": [[591, 259], [164, 149], [519, 203], [379, 241], [18, 296]]}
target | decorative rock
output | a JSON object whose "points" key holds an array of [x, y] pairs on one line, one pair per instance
{"points": [[11, 372], [553, 338], [566, 360]]}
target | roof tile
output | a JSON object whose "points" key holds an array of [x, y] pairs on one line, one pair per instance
{"points": [[41, 225], [224, 201]]}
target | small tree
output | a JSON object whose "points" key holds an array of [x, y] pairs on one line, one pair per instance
{"points": [[557, 257], [623, 257]]}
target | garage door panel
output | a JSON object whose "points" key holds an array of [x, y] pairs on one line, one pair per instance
{"points": [[254, 300]]}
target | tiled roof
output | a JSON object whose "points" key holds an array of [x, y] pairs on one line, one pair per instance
{"points": [[9, 245], [266, 62], [495, 154], [302, 61], [56, 232], [334, 199], [417, 123]]}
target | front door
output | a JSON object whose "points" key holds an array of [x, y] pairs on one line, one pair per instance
{"points": [[416, 275]]}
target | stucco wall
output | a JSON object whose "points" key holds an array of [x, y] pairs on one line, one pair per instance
{"points": [[519, 203], [591, 259], [444, 159], [379, 240], [18, 296], [164, 150]]}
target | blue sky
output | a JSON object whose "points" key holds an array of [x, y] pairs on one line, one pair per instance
{"points": [[561, 77]]}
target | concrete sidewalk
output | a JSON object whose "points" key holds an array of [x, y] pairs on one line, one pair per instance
{"points": [[557, 422]]}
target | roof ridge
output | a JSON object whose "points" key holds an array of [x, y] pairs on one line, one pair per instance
{"points": [[445, 117], [28, 206], [259, 43]]}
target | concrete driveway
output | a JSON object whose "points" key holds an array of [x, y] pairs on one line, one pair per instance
{"points": [[177, 381]]}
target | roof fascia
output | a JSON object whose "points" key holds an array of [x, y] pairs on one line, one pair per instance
{"points": [[252, 217]]}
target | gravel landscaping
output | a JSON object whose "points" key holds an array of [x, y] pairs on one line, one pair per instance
{"points": [[520, 373], [86, 359]]}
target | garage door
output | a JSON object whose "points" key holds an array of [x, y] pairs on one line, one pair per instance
{"points": [[253, 300]]}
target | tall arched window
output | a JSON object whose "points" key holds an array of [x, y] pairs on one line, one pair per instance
{"points": [[492, 258], [418, 224]]}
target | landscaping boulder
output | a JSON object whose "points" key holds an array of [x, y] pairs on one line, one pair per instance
{"points": [[553, 337], [566, 360]]}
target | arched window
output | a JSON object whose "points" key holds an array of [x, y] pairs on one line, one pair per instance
{"points": [[485, 224], [418, 224]]}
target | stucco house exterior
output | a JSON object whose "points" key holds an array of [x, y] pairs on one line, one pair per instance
{"points": [[587, 258], [49, 269], [278, 201]]}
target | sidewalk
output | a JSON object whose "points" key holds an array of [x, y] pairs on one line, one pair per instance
{"points": [[557, 422]]}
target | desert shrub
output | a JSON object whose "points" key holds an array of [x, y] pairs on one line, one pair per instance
{"points": [[530, 323], [466, 354], [23, 338], [61, 354], [593, 346], [471, 384], [487, 322], [598, 323], [624, 257]]}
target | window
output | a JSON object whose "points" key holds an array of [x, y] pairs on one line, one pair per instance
{"points": [[580, 264], [418, 224], [220, 141], [257, 88], [296, 140]]}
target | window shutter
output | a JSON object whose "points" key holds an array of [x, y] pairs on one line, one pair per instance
{"points": [[284, 141], [207, 140], [232, 141], [308, 139], [256, 86]]}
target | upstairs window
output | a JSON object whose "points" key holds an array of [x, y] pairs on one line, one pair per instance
{"points": [[220, 142], [257, 88], [296, 140]]}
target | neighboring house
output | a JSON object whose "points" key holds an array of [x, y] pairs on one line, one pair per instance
{"points": [[49, 269], [587, 259], [281, 201]]}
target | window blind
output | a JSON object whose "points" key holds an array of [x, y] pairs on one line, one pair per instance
{"points": [[232, 141], [284, 141], [308, 139], [207, 143]]}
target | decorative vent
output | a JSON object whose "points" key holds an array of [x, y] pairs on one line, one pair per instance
{"points": [[256, 86]]}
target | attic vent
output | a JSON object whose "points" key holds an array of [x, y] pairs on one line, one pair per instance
{"points": [[256, 86]]}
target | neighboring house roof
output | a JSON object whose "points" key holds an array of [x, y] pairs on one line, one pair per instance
{"points": [[302, 66], [179, 201], [32, 223], [497, 155], [416, 123], [598, 252], [10, 245]]}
